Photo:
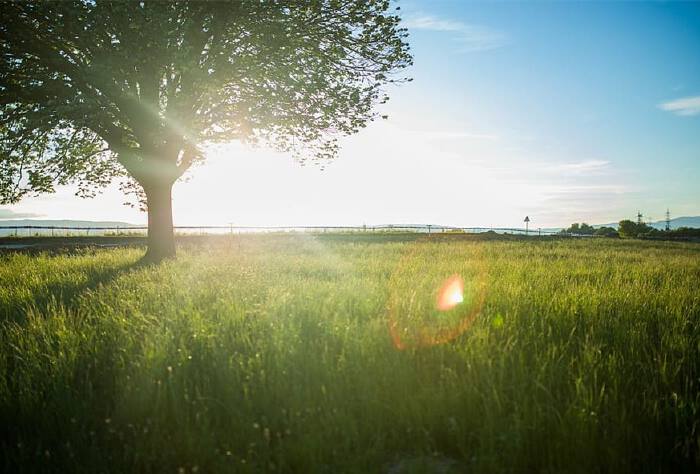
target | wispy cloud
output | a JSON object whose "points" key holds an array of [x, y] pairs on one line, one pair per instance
{"points": [[684, 106], [469, 37], [439, 135], [588, 167], [589, 190], [548, 170]]}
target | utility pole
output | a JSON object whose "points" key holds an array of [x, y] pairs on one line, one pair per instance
{"points": [[668, 220], [527, 224]]}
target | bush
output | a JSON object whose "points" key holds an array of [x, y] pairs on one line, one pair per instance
{"points": [[606, 232]]}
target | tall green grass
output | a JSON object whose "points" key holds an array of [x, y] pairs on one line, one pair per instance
{"points": [[273, 354]]}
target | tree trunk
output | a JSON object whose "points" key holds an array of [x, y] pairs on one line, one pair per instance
{"points": [[161, 239]]}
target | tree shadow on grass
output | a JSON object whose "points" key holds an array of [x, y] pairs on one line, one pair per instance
{"points": [[65, 293], [52, 401], [53, 409]]}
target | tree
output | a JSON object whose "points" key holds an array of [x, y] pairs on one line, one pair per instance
{"points": [[606, 232], [92, 91], [579, 229], [586, 229], [627, 228]]}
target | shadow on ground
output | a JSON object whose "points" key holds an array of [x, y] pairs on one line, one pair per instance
{"points": [[64, 292]]}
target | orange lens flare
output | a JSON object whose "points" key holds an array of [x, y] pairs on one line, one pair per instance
{"points": [[423, 311], [415, 328], [451, 293]]}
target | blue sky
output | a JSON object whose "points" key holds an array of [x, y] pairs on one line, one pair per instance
{"points": [[564, 112], [584, 83]]}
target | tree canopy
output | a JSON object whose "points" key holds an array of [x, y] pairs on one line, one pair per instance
{"points": [[628, 228], [93, 90], [580, 229]]}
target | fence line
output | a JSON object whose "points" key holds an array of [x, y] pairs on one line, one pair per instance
{"points": [[417, 228]]}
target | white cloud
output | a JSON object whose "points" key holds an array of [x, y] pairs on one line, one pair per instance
{"points": [[683, 106], [470, 37]]}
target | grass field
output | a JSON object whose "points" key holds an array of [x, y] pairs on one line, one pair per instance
{"points": [[279, 354]]}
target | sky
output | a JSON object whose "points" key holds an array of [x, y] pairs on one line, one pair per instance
{"points": [[564, 112]]}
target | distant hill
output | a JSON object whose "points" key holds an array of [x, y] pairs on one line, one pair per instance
{"points": [[65, 223], [60, 223], [688, 221], [693, 221]]}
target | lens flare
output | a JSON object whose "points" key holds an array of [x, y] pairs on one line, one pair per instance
{"points": [[451, 293], [435, 295]]}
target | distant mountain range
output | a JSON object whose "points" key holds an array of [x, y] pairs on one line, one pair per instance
{"points": [[64, 223], [58, 223]]}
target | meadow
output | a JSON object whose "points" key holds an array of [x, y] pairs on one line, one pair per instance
{"points": [[323, 353]]}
